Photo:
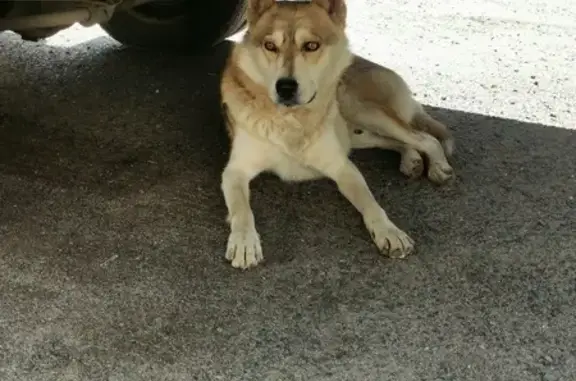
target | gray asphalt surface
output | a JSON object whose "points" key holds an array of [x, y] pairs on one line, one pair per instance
{"points": [[112, 224]]}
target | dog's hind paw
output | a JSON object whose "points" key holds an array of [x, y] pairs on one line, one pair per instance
{"points": [[412, 164], [389, 239], [244, 249], [439, 173]]}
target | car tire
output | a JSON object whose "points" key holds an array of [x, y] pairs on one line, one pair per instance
{"points": [[177, 24]]}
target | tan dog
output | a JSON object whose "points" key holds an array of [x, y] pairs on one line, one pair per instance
{"points": [[297, 101]]}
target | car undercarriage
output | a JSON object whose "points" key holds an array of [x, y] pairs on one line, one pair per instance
{"points": [[162, 24]]}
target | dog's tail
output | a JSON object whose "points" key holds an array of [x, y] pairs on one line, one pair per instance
{"points": [[424, 122]]}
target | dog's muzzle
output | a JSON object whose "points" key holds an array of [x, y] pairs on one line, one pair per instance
{"points": [[287, 92]]}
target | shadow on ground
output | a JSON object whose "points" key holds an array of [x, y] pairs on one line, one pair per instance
{"points": [[112, 236]]}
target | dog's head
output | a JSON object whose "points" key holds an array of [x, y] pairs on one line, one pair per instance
{"points": [[296, 49]]}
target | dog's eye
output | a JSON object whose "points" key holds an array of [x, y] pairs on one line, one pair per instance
{"points": [[311, 46], [270, 46]]}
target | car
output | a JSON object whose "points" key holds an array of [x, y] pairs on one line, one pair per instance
{"points": [[157, 24]]}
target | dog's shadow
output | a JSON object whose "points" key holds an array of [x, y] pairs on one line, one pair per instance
{"points": [[126, 121]]}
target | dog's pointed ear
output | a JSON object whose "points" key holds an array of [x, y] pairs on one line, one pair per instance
{"points": [[336, 9], [256, 8]]}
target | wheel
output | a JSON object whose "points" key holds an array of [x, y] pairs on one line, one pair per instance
{"points": [[176, 24], [12, 8]]}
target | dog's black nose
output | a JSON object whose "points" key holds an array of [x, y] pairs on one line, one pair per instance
{"points": [[286, 88]]}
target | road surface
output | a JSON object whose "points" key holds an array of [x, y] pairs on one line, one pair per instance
{"points": [[112, 224]]}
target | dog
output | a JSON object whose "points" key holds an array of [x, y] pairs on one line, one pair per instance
{"points": [[296, 101]]}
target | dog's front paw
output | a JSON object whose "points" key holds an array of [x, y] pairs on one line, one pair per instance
{"points": [[244, 249], [389, 239], [412, 164], [439, 173]]}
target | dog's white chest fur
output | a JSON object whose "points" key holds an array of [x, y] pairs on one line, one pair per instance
{"points": [[258, 152]]}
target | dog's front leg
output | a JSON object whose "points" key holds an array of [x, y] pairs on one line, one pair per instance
{"points": [[244, 249], [390, 239]]}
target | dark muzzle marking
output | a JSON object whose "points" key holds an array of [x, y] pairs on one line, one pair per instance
{"points": [[287, 90]]}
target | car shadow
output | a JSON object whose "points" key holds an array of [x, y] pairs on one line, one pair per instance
{"points": [[116, 121], [110, 163]]}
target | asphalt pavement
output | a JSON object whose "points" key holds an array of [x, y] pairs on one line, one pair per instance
{"points": [[112, 224]]}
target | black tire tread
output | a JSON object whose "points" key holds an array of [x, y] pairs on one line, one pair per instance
{"points": [[192, 32]]}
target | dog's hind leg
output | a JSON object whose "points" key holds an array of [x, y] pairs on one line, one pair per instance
{"points": [[380, 101], [411, 162], [424, 122], [380, 123]]}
